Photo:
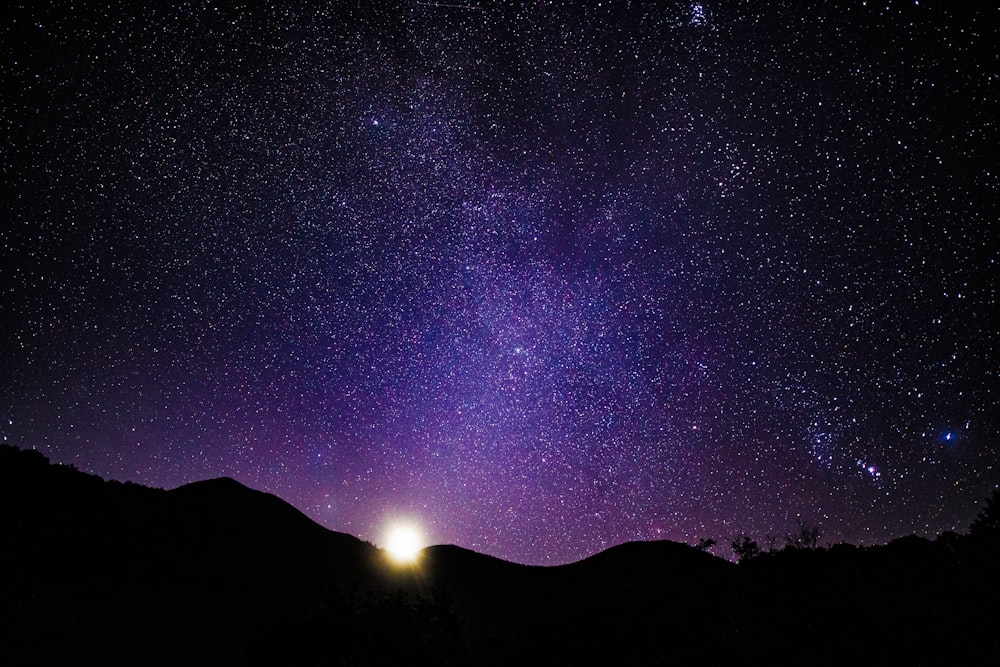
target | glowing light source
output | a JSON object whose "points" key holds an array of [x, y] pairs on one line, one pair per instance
{"points": [[403, 543]]}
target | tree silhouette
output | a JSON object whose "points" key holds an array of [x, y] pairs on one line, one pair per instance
{"points": [[705, 543], [745, 548], [988, 521], [806, 538]]}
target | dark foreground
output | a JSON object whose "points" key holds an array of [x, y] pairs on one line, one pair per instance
{"points": [[214, 573]]}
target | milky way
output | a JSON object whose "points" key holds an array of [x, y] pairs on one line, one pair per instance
{"points": [[543, 278]]}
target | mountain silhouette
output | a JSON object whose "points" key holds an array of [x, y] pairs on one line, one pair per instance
{"points": [[215, 573]]}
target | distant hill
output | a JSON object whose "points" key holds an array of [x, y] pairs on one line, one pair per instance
{"points": [[128, 574], [214, 573]]}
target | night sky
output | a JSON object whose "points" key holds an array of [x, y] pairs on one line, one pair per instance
{"points": [[540, 277]]}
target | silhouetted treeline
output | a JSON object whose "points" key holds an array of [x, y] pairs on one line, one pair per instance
{"points": [[214, 573]]}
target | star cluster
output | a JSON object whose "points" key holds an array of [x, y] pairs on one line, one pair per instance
{"points": [[544, 277]]}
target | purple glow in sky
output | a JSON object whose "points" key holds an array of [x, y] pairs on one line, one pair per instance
{"points": [[540, 278]]}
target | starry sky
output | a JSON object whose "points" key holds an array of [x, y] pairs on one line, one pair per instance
{"points": [[543, 277]]}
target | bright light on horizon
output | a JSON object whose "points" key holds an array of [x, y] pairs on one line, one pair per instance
{"points": [[403, 542]]}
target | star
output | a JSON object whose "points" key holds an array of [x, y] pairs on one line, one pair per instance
{"points": [[538, 280]]}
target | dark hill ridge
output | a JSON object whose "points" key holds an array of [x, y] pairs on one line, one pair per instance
{"points": [[653, 559], [234, 508], [217, 573]]}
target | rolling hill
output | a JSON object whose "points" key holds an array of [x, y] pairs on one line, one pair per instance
{"points": [[216, 573]]}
